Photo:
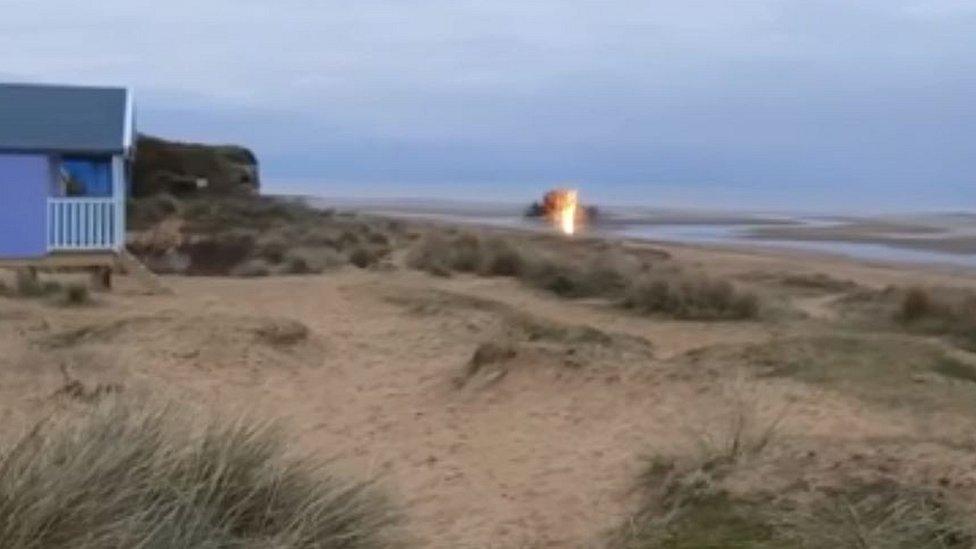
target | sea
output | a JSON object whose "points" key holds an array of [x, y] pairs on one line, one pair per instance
{"points": [[709, 228]]}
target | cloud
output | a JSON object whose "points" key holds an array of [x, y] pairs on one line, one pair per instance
{"points": [[626, 94]]}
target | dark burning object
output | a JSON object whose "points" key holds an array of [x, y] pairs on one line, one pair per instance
{"points": [[550, 205]]}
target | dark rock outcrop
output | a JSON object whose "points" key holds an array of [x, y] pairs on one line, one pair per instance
{"points": [[183, 169]]}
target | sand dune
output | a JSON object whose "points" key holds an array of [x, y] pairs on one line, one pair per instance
{"points": [[539, 440]]}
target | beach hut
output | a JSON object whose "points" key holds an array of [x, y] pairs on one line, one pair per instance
{"points": [[65, 153]]}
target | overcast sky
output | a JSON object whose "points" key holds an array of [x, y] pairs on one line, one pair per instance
{"points": [[805, 104]]}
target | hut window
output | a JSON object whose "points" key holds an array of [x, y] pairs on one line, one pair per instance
{"points": [[86, 176]]}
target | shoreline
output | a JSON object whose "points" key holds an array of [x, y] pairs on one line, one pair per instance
{"points": [[912, 239], [784, 249]]}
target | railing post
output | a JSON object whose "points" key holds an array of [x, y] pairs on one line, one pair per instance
{"points": [[89, 224], [118, 195], [47, 225], [56, 212]]}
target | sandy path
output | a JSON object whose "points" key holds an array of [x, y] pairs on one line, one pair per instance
{"points": [[818, 307], [503, 468], [545, 458]]}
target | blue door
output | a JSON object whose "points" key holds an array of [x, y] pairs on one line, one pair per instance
{"points": [[24, 185]]}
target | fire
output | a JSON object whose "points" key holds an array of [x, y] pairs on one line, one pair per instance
{"points": [[563, 209], [567, 212]]}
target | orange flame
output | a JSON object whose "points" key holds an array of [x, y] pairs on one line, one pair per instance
{"points": [[563, 209], [567, 216]]}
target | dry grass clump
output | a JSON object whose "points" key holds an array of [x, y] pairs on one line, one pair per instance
{"points": [[273, 248], [567, 279], [533, 328], [887, 369], [282, 331], [884, 515], [251, 268], [433, 254], [691, 509], [945, 311], [804, 281], [217, 254], [486, 364], [698, 298], [938, 311], [377, 238], [363, 257], [29, 285], [609, 273], [254, 236], [261, 213], [76, 294], [77, 389], [687, 504], [701, 501], [954, 369], [943, 305], [818, 281], [146, 212], [501, 258], [310, 260], [916, 305], [440, 254], [126, 475]]}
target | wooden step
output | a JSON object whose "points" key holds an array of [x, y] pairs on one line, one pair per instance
{"points": [[151, 282]]}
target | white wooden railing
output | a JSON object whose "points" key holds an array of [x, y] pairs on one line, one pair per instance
{"points": [[84, 224]]}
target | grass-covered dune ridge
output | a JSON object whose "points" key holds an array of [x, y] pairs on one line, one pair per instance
{"points": [[252, 236], [647, 286]]}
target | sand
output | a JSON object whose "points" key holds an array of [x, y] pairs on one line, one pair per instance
{"points": [[935, 237], [543, 454]]}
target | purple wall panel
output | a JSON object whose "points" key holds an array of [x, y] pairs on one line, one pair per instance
{"points": [[24, 184]]}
